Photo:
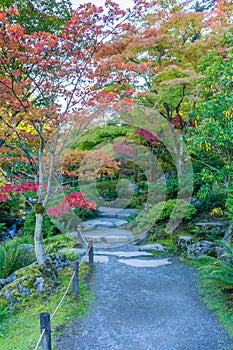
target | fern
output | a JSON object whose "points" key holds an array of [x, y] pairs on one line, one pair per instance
{"points": [[219, 270]]}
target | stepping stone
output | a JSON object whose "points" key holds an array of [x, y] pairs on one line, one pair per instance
{"points": [[116, 239], [156, 246], [144, 263], [124, 254], [101, 259], [109, 238], [116, 212], [98, 259], [102, 222], [94, 238]]}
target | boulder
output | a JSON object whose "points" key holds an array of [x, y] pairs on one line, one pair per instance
{"points": [[201, 248], [185, 241]]}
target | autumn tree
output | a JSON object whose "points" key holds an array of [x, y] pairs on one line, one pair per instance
{"points": [[46, 82], [159, 61], [40, 15]]}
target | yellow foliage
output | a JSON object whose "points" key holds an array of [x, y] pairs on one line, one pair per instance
{"points": [[207, 146], [216, 212], [229, 113], [24, 126]]}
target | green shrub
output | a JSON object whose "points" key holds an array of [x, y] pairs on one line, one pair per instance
{"points": [[13, 257], [107, 189], [55, 243], [48, 229], [213, 200], [163, 211]]}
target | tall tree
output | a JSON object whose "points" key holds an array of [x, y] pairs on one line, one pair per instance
{"points": [[46, 81]]}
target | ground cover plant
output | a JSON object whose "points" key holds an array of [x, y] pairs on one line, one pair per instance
{"points": [[26, 319]]}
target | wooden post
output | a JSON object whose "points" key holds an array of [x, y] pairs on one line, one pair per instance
{"points": [[45, 324], [76, 277], [90, 246]]}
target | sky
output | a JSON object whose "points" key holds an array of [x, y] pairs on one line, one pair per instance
{"points": [[123, 3]]}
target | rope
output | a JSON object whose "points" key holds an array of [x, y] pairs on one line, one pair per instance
{"points": [[84, 257], [39, 341], [62, 299]]}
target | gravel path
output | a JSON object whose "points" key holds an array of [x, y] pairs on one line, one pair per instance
{"points": [[145, 308]]}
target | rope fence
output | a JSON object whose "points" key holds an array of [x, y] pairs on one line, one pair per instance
{"points": [[45, 319]]}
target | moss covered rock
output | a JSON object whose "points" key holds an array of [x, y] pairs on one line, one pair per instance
{"points": [[33, 281]]}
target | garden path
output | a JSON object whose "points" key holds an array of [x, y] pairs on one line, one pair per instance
{"points": [[143, 302]]}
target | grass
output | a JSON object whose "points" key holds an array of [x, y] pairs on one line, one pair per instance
{"points": [[20, 329], [216, 299]]}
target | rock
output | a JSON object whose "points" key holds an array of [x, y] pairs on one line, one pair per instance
{"points": [[23, 291], [228, 234], [184, 241], [2, 283], [11, 232], [54, 263], [27, 281], [29, 248], [201, 248], [11, 298], [215, 223], [23, 286], [156, 246], [39, 284], [11, 278]]}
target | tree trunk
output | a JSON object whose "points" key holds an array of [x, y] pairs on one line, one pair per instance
{"points": [[181, 167], [39, 250], [39, 209]]}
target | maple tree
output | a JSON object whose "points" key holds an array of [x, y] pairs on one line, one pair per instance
{"points": [[46, 81], [40, 15], [159, 60]]}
